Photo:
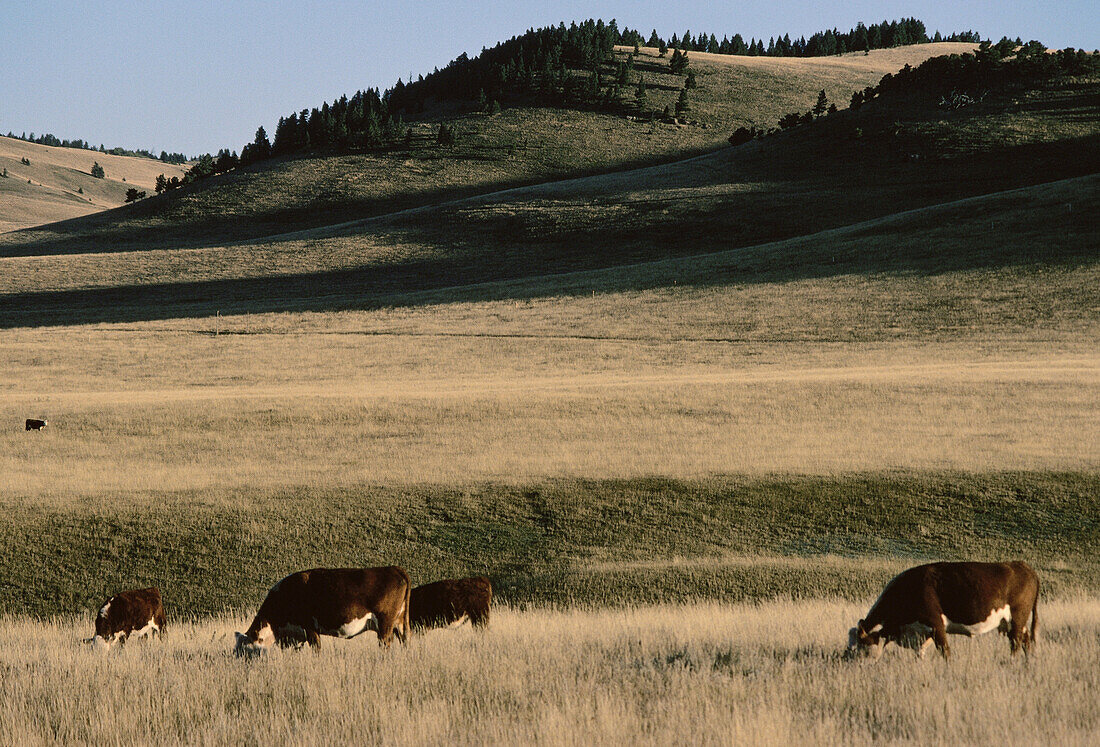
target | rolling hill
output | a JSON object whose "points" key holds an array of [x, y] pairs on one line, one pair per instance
{"points": [[845, 170], [58, 185], [521, 146]]}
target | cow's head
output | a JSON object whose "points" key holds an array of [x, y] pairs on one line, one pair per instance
{"points": [[254, 642], [866, 642], [99, 643]]}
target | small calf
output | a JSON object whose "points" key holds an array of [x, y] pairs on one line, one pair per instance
{"points": [[138, 612], [451, 602], [34, 424]]}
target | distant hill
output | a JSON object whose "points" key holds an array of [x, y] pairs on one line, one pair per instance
{"points": [[58, 184], [523, 145]]}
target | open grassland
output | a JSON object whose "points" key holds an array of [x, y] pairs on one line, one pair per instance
{"points": [[771, 673], [522, 145], [941, 405], [58, 184], [525, 409]]}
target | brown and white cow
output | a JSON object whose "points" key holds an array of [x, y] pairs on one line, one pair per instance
{"points": [[137, 613], [451, 602], [34, 424], [922, 605], [340, 602]]}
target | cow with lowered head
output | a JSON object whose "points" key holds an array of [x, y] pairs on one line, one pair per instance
{"points": [[137, 613], [451, 602], [339, 602], [922, 605]]}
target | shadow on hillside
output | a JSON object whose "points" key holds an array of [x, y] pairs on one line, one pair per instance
{"points": [[179, 219], [899, 246]]}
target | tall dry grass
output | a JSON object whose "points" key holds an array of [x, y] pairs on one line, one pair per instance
{"points": [[708, 674]]}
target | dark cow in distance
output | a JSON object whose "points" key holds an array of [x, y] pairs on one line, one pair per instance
{"points": [[451, 602], [137, 613], [34, 424], [339, 602], [923, 604]]}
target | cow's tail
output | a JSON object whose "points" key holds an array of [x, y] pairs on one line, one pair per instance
{"points": [[1034, 632], [404, 622]]}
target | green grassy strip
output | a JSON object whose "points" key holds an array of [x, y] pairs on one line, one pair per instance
{"points": [[601, 542]]}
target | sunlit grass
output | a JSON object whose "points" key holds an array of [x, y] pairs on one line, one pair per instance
{"points": [[763, 674]]}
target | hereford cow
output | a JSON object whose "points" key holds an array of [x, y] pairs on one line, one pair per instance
{"points": [[137, 613], [34, 424], [340, 602], [923, 604], [450, 603]]}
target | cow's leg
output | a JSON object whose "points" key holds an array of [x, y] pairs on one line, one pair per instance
{"points": [[1018, 634], [386, 624], [939, 634], [401, 632]]}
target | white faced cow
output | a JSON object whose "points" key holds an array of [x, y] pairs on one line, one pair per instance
{"points": [[137, 613], [922, 605], [451, 602], [340, 602]]}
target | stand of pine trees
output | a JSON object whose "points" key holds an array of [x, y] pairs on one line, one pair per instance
{"points": [[824, 43], [953, 81]]}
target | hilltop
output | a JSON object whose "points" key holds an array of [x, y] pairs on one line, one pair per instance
{"points": [[57, 183], [522, 145]]}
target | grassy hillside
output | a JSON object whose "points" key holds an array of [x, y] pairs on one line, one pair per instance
{"points": [[601, 542], [520, 146], [48, 190]]}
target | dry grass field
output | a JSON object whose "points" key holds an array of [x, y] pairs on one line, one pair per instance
{"points": [[770, 673]]}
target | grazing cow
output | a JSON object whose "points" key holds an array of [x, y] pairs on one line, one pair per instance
{"points": [[340, 602], [34, 424], [450, 603], [138, 613], [923, 604]]}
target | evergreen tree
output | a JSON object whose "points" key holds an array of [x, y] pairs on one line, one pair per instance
{"points": [[640, 96], [682, 105], [690, 82], [97, 171], [162, 184], [822, 104]]}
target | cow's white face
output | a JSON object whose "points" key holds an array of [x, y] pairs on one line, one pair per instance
{"points": [[866, 642], [250, 647]]}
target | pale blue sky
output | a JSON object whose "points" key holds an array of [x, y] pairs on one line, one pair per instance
{"points": [[198, 76]]}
